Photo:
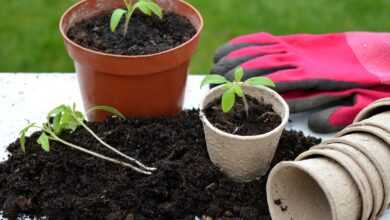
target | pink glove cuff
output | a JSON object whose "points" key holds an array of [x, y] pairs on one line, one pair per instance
{"points": [[373, 52]]}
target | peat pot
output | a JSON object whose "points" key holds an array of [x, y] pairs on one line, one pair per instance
{"points": [[244, 158], [354, 170], [372, 173], [144, 85], [312, 189]]}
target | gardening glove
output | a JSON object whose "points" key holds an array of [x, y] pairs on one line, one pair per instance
{"points": [[337, 108], [303, 66], [305, 62]]}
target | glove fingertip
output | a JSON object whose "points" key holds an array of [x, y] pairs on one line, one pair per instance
{"points": [[226, 49], [221, 52], [320, 122], [226, 65]]}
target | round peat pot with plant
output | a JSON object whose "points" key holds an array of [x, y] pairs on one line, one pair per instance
{"points": [[132, 55], [242, 135]]}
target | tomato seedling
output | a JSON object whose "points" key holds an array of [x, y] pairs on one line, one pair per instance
{"points": [[67, 119], [234, 88], [148, 7]]}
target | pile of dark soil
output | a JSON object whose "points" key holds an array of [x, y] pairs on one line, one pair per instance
{"points": [[145, 35], [262, 117], [68, 185]]}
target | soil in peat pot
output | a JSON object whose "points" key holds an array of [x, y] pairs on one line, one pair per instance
{"points": [[145, 35], [68, 185], [262, 117]]}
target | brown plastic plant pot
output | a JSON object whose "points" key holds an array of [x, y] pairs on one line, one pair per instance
{"points": [[377, 107], [313, 189], [374, 143], [354, 170], [244, 158], [369, 169], [145, 85]]}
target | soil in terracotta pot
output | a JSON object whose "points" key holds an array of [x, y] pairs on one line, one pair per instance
{"points": [[262, 118], [145, 35], [68, 185]]}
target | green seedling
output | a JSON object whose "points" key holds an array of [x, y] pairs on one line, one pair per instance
{"points": [[148, 7], [234, 88], [67, 119]]}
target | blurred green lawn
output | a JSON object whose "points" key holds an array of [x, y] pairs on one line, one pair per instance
{"points": [[30, 42]]}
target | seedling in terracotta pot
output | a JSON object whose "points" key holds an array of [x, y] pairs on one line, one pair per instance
{"points": [[147, 7], [234, 88], [67, 119], [157, 51]]}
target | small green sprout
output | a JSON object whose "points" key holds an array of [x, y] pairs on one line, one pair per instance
{"points": [[148, 7], [67, 119], [234, 88]]}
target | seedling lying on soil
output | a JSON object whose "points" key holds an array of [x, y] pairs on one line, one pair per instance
{"points": [[67, 119], [147, 7], [233, 88]]}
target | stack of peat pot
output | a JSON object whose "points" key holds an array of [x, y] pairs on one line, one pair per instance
{"points": [[344, 178]]}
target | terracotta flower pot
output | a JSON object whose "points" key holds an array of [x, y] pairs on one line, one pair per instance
{"points": [[145, 85], [244, 158], [370, 141], [354, 170], [313, 189], [369, 169], [379, 106]]}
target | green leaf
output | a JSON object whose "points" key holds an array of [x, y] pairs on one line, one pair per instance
{"points": [[22, 136], [68, 121], [260, 81], [56, 125], [228, 99], [213, 79], [64, 118], [155, 8], [238, 90], [228, 85], [79, 115], [43, 140], [143, 7], [108, 109], [116, 18], [57, 110], [238, 74]]}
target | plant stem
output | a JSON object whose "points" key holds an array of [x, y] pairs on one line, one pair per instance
{"points": [[246, 106], [115, 150], [127, 22], [56, 138], [128, 3]]}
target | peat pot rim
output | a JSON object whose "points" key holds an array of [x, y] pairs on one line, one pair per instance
{"points": [[81, 2], [377, 107], [274, 94]]}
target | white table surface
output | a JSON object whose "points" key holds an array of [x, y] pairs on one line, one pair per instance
{"points": [[28, 97]]}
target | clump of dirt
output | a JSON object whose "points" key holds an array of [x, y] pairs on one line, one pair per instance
{"points": [[68, 185]]}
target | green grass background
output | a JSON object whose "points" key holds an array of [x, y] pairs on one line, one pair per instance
{"points": [[30, 42]]}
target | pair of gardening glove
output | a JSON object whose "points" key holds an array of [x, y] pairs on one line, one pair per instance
{"points": [[337, 74]]}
